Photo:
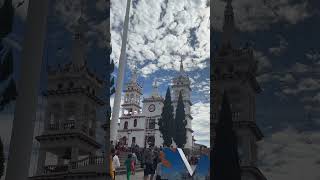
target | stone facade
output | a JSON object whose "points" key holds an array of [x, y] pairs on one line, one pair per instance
{"points": [[234, 71], [140, 124]]}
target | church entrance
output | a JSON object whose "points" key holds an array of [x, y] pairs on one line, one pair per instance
{"points": [[149, 141]]}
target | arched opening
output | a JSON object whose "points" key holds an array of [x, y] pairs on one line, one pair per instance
{"points": [[125, 125], [135, 122]]}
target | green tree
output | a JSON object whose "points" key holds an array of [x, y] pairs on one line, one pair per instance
{"points": [[6, 57], [166, 122], [225, 154], [1, 159], [181, 123]]}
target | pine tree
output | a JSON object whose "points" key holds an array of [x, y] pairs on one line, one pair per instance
{"points": [[181, 123], [1, 159], [225, 155], [166, 122], [6, 18], [6, 59]]}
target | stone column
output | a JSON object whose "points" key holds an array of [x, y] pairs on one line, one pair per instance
{"points": [[41, 161], [74, 154], [120, 78], [60, 160], [25, 111]]}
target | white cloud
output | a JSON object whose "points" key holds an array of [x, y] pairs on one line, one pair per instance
{"points": [[290, 155], [252, 15], [201, 122], [159, 34]]}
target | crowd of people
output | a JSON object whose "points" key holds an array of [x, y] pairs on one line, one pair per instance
{"points": [[149, 159]]}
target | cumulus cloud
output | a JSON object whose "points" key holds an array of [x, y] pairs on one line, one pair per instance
{"points": [[201, 122], [290, 154], [160, 33], [254, 15]]}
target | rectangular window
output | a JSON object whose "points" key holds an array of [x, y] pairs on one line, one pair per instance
{"points": [[152, 123]]}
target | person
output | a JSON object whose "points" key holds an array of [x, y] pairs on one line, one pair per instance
{"points": [[115, 162], [148, 164], [129, 166], [135, 161]]}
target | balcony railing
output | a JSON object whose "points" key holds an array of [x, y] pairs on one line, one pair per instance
{"points": [[69, 125], [91, 160], [54, 168], [53, 126], [88, 161]]}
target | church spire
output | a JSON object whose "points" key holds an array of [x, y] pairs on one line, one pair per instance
{"points": [[78, 44], [134, 77], [155, 89], [228, 26], [182, 72]]}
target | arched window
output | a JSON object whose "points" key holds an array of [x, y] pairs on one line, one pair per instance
{"points": [[125, 125], [135, 123], [131, 98]]}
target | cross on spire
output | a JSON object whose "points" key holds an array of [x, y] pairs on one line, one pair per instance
{"points": [[181, 66], [155, 89]]}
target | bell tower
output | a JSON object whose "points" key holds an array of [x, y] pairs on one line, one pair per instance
{"points": [[132, 98], [182, 84], [234, 71], [70, 123]]}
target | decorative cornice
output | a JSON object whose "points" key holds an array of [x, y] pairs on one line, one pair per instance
{"points": [[63, 136], [67, 92]]}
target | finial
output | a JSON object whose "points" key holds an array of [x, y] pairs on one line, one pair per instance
{"points": [[181, 66], [155, 89], [228, 26], [134, 75]]}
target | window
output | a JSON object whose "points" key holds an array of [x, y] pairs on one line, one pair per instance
{"points": [[133, 140], [135, 123], [152, 123], [71, 84], [60, 86], [125, 125]]}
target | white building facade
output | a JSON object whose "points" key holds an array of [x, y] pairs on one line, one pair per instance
{"points": [[139, 124]]}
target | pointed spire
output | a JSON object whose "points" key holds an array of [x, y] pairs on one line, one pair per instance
{"points": [[134, 76], [155, 89], [228, 26]]}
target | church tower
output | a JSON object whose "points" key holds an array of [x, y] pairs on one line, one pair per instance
{"points": [[152, 109], [131, 130], [234, 71], [181, 83], [69, 134]]}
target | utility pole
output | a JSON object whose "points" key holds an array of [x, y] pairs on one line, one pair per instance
{"points": [[26, 104]]}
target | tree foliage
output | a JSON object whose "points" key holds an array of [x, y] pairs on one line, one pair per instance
{"points": [[166, 122], [181, 123], [6, 56], [225, 154]]}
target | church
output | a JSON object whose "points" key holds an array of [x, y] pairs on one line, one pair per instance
{"points": [[140, 115]]}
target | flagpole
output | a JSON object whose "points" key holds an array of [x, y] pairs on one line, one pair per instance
{"points": [[120, 77], [26, 104]]}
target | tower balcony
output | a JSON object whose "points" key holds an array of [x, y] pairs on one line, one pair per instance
{"points": [[68, 126]]}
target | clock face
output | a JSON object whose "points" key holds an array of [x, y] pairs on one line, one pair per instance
{"points": [[152, 107]]}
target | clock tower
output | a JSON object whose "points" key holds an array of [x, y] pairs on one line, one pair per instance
{"points": [[152, 108]]}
